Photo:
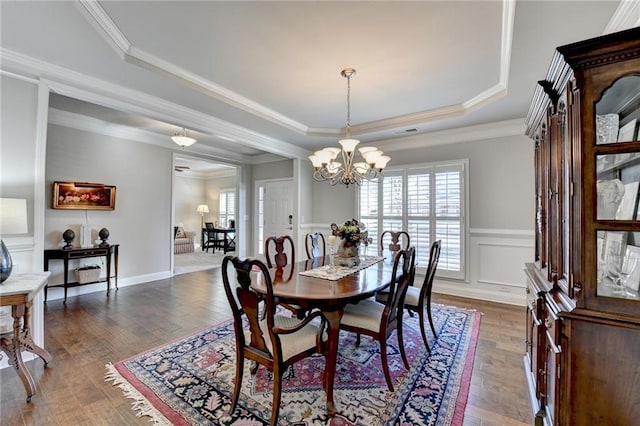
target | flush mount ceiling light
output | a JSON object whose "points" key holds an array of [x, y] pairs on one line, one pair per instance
{"points": [[327, 168], [182, 139]]}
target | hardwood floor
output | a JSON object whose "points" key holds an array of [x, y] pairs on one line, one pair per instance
{"points": [[93, 330]]}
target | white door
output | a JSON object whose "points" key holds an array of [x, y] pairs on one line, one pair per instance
{"points": [[277, 199]]}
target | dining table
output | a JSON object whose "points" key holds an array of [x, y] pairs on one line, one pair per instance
{"points": [[316, 284]]}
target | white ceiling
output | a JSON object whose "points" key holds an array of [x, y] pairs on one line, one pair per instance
{"points": [[248, 78]]}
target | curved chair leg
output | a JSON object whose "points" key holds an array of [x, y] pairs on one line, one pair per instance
{"points": [[357, 340], [385, 365], [422, 330], [238, 382], [431, 318], [401, 343], [277, 390]]}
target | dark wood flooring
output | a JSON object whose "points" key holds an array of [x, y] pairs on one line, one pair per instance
{"points": [[92, 330]]}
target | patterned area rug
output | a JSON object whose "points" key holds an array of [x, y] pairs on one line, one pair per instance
{"points": [[189, 381]]}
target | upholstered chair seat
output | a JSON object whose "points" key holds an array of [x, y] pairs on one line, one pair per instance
{"points": [[292, 344]]}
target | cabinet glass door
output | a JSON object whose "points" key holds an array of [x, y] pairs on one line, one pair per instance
{"points": [[617, 167]]}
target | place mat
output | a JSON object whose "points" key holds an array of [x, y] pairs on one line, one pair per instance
{"points": [[334, 273]]}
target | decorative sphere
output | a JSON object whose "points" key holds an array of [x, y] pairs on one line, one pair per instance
{"points": [[68, 235], [103, 234]]}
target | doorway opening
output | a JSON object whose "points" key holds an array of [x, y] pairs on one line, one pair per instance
{"points": [[204, 197]]}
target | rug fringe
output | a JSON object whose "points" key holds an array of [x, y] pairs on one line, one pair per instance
{"points": [[140, 404]]}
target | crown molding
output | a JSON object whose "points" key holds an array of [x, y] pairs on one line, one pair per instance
{"points": [[100, 20], [90, 89], [626, 16], [94, 125], [495, 130]]}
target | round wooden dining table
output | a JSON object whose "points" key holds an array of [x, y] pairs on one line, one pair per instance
{"points": [[328, 296]]}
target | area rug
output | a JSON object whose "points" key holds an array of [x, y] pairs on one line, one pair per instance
{"points": [[189, 381]]}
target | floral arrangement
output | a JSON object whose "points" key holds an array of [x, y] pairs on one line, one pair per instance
{"points": [[353, 232]]}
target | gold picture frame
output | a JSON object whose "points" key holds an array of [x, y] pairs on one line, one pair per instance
{"points": [[83, 196]]}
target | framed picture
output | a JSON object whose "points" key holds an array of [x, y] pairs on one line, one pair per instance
{"points": [[633, 281], [83, 196], [627, 132]]}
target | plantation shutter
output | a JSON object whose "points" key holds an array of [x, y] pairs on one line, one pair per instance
{"points": [[429, 202]]}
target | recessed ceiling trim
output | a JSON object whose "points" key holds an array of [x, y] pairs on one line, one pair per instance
{"points": [[90, 89], [626, 16], [101, 20], [140, 57], [500, 129], [95, 125]]}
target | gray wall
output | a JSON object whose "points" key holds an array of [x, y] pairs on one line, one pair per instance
{"points": [[141, 221], [188, 192], [501, 185], [17, 141], [213, 187]]}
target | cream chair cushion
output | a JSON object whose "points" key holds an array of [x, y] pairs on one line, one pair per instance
{"points": [[292, 344], [366, 314], [412, 298]]}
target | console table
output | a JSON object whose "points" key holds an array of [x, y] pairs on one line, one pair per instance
{"points": [[81, 253], [18, 291]]}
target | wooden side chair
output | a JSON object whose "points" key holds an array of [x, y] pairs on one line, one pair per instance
{"points": [[213, 239], [417, 299], [400, 240], [279, 260], [315, 245], [276, 341], [280, 245], [378, 320]]}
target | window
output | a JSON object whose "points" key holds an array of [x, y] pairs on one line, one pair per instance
{"points": [[227, 208], [429, 202]]}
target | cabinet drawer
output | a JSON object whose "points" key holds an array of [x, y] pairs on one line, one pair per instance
{"points": [[88, 253], [552, 326]]}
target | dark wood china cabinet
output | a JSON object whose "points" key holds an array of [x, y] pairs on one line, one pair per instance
{"points": [[582, 356]]}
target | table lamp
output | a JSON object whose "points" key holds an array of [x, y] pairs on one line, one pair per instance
{"points": [[13, 221], [202, 209]]}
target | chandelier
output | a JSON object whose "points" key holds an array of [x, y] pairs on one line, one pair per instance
{"points": [[348, 173], [182, 139]]}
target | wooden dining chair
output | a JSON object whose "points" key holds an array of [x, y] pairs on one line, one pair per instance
{"points": [[417, 299], [277, 341], [378, 320], [280, 245], [279, 259], [400, 240], [315, 245]]}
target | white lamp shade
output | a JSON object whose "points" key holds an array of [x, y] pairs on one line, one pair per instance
{"points": [[334, 167], [372, 156], [349, 145], [202, 208], [315, 160], [333, 151], [365, 149], [381, 162], [13, 216], [323, 156], [183, 140], [361, 167]]}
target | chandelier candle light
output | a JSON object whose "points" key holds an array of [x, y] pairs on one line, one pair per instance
{"points": [[327, 168]]}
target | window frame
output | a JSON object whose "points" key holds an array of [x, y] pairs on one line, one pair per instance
{"points": [[224, 193], [432, 167]]}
